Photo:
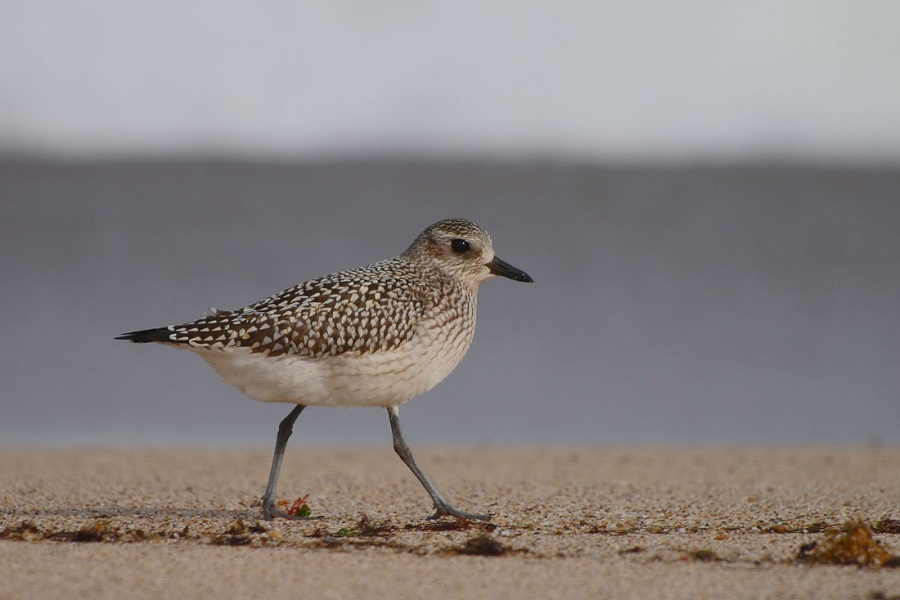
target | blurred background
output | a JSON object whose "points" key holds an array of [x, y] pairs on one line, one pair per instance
{"points": [[708, 197]]}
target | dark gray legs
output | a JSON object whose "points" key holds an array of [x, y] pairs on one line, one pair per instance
{"points": [[284, 432], [442, 507]]}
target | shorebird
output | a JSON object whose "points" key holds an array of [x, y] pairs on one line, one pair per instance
{"points": [[373, 336]]}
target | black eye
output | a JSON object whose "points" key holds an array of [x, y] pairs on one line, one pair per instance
{"points": [[459, 246]]}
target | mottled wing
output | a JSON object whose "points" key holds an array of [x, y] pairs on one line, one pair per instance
{"points": [[371, 309]]}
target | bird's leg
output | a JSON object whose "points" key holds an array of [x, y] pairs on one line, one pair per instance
{"points": [[442, 507], [284, 432]]}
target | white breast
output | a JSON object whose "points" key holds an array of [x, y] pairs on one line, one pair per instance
{"points": [[386, 378]]}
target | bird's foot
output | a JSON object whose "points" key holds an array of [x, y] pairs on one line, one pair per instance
{"points": [[446, 510], [270, 512], [295, 513]]}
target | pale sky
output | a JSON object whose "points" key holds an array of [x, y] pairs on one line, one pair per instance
{"points": [[798, 79]]}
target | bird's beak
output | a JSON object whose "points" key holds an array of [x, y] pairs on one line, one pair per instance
{"points": [[504, 269]]}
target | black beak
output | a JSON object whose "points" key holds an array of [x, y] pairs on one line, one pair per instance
{"points": [[504, 269]]}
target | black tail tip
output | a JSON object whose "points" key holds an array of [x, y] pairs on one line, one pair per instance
{"points": [[159, 334]]}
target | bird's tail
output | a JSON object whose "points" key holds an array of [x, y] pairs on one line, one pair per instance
{"points": [[159, 334]]}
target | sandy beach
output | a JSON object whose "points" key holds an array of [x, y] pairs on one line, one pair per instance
{"points": [[569, 523]]}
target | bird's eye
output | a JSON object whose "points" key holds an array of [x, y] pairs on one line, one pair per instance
{"points": [[459, 246]]}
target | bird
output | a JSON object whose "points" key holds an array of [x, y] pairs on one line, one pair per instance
{"points": [[373, 336]]}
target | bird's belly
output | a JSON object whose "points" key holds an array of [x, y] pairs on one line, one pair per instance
{"points": [[375, 379]]}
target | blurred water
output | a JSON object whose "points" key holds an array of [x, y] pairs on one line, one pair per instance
{"points": [[604, 80], [671, 305]]}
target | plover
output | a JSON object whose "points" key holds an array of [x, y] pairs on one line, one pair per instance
{"points": [[374, 336]]}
